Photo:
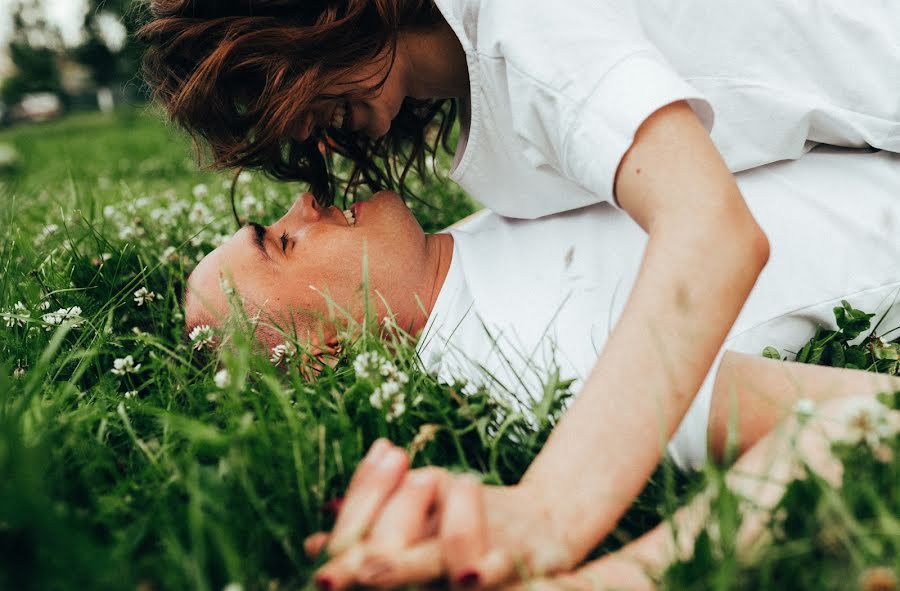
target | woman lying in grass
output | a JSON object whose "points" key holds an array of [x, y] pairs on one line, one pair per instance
{"points": [[533, 307]]}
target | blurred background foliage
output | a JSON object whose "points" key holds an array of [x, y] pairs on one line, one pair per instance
{"points": [[94, 66]]}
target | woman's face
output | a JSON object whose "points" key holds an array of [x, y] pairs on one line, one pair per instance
{"points": [[371, 115]]}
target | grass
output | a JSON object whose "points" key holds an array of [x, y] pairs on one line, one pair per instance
{"points": [[178, 471]]}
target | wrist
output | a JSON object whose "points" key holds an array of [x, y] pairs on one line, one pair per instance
{"points": [[560, 527]]}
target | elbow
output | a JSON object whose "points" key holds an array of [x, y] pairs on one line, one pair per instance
{"points": [[758, 248]]}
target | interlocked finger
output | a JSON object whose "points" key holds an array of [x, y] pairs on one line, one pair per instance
{"points": [[373, 483], [314, 544], [463, 531], [406, 515], [418, 564]]}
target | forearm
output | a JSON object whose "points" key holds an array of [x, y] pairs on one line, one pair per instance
{"points": [[691, 286]]}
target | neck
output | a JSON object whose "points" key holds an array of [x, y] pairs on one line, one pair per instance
{"points": [[436, 63], [439, 249]]}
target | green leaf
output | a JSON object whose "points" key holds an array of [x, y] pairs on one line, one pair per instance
{"points": [[803, 355], [836, 354], [771, 353], [890, 399], [851, 321], [856, 356]]}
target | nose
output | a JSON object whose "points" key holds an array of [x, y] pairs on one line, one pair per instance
{"points": [[304, 209]]}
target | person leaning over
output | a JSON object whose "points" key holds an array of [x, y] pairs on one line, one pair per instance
{"points": [[561, 104]]}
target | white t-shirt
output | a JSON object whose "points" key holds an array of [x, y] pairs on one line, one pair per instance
{"points": [[523, 297], [558, 89]]}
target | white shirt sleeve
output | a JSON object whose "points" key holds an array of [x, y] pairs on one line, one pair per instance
{"points": [[582, 79]]}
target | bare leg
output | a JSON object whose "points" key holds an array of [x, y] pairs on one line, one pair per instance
{"points": [[752, 394]]}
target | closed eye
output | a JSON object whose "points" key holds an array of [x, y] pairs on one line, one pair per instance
{"points": [[284, 241]]}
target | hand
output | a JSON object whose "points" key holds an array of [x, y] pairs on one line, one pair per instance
{"points": [[428, 523], [611, 572]]}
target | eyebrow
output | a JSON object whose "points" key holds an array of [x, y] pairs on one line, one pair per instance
{"points": [[259, 238]]}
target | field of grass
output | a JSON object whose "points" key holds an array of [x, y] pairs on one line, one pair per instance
{"points": [[131, 459]]}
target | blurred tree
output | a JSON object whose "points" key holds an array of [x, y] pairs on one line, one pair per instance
{"points": [[33, 49], [109, 51]]}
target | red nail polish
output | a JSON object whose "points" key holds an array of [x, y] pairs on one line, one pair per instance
{"points": [[333, 507], [324, 583], [468, 580]]}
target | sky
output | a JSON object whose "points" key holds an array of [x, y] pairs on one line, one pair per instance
{"points": [[66, 14]]}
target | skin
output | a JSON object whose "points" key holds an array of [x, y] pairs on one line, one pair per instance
{"points": [[320, 260], [753, 402], [427, 65], [704, 254], [407, 541]]}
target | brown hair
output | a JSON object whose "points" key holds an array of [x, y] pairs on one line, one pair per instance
{"points": [[239, 74]]}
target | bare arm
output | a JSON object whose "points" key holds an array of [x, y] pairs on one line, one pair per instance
{"points": [[703, 256]]}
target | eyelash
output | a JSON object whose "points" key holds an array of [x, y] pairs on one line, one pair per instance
{"points": [[284, 242]]}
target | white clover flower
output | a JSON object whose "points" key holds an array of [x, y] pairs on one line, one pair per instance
{"points": [[869, 425], [200, 191], [222, 379], [390, 389], [44, 306], [387, 369], [144, 296], [244, 177], [168, 254], [141, 202], [201, 336], [18, 316], [130, 394], [804, 408], [401, 377], [233, 587], [19, 372], [48, 231], [366, 362], [389, 395], [124, 366], [53, 319], [199, 214], [127, 232], [398, 407], [283, 352]]}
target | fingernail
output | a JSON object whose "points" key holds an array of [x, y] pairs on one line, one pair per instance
{"points": [[468, 579], [324, 583], [333, 507]]}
